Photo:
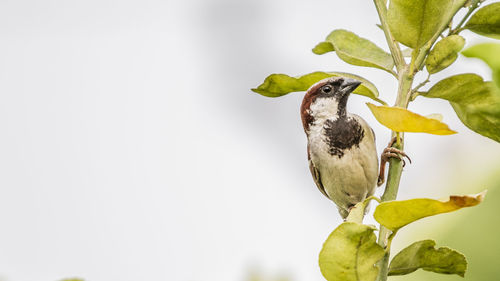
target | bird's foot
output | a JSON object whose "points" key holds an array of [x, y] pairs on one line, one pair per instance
{"points": [[388, 153]]}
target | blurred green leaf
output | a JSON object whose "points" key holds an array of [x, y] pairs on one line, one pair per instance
{"points": [[444, 53], [359, 51], [490, 54], [407, 52], [436, 116], [486, 21], [422, 254], [415, 22], [477, 103], [257, 276], [402, 120], [323, 48], [350, 254], [276, 85], [396, 214]]}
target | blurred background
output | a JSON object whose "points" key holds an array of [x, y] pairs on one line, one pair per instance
{"points": [[132, 148]]}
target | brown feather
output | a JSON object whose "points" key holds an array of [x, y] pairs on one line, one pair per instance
{"points": [[316, 176]]}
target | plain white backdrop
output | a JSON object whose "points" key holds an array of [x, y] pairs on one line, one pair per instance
{"points": [[131, 146]]}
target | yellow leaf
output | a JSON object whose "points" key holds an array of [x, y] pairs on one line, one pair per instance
{"points": [[396, 214], [402, 120]]}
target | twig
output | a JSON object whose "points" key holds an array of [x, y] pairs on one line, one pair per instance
{"points": [[475, 4], [399, 60], [414, 92]]}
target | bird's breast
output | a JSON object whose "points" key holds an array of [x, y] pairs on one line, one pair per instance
{"points": [[336, 135], [344, 153]]}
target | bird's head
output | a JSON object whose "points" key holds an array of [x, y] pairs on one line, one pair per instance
{"points": [[326, 99]]}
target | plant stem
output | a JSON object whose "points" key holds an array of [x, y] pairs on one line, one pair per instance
{"points": [[475, 4], [414, 92], [405, 81], [395, 171], [397, 55], [406, 74]]}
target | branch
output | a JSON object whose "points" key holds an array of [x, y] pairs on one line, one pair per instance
{"points": [[393, 44], [414, 91], [475, 4]]}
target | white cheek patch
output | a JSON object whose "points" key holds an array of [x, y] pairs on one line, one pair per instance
{"points": [[324, 108]]}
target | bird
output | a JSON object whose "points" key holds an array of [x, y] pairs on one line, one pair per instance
{"points": [[341, 147]]}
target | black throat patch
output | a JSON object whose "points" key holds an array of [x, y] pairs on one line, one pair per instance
{"points": [[342, 134]]}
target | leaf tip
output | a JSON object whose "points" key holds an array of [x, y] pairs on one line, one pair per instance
{"points": [[323, 48], [468, 200], [452, 132], [480, 196]]}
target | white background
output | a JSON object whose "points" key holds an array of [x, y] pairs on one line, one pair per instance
{"points": [[131, 146]]}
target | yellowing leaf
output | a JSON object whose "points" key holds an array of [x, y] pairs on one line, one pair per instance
{"points": [[402, 120], [396, 214], [350, 254]]}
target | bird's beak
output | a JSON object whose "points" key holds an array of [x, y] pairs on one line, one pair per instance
{"points": [[349, 85]]}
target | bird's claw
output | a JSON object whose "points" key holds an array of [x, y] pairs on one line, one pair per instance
{"points": [[388, 153], [392, 152]]}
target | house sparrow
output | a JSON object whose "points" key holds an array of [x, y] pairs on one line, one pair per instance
{"points": [[341, 146]]}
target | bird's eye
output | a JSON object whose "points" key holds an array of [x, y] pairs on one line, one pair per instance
{"points": [[326, 89]]}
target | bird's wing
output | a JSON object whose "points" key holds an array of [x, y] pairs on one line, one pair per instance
{"points": [[317, 178]]}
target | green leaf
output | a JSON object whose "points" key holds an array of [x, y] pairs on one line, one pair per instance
{"points": [[415, 22], [486, 21], [476, 102], [359, 51], [402, 120], [462, 88], [490, 54], [481, 120], [444, 53], [323, 48], [422, 254], [276, 85], [350, 254], [396, 214], [357, 213]]}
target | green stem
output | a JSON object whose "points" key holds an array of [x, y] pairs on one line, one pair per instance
{"points": [[397, 55], [394, 175], [475, 4], [406, 74], [405, 81], [414, 92]]}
